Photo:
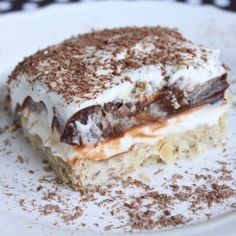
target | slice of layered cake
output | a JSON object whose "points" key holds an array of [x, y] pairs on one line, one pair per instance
{"points": [[104, 103]]}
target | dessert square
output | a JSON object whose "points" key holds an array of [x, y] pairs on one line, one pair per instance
{"points": [[102, 104]]}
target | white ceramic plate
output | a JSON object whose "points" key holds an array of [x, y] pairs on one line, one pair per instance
{"points": [[23, 34]]}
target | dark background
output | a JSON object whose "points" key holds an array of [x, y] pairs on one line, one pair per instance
{"points": [[7, 6]]}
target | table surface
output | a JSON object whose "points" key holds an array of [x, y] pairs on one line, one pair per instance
{"points": [[7, 6]]}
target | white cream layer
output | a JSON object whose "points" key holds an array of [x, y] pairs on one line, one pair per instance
{"points": [[207, 115], [187, 78]]}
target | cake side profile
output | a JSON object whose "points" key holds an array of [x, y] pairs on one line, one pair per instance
{"points": [[102, 104]]}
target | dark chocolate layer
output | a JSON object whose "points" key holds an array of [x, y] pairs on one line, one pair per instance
{"points": [[114, 119]]}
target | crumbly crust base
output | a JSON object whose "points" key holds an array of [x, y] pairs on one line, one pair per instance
{"points": [[88, 173]]}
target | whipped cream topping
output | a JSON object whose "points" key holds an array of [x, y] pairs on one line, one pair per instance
{"points": [[105, 66]]}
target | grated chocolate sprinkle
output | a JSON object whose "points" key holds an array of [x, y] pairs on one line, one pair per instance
{"points": [[82, 67]]}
